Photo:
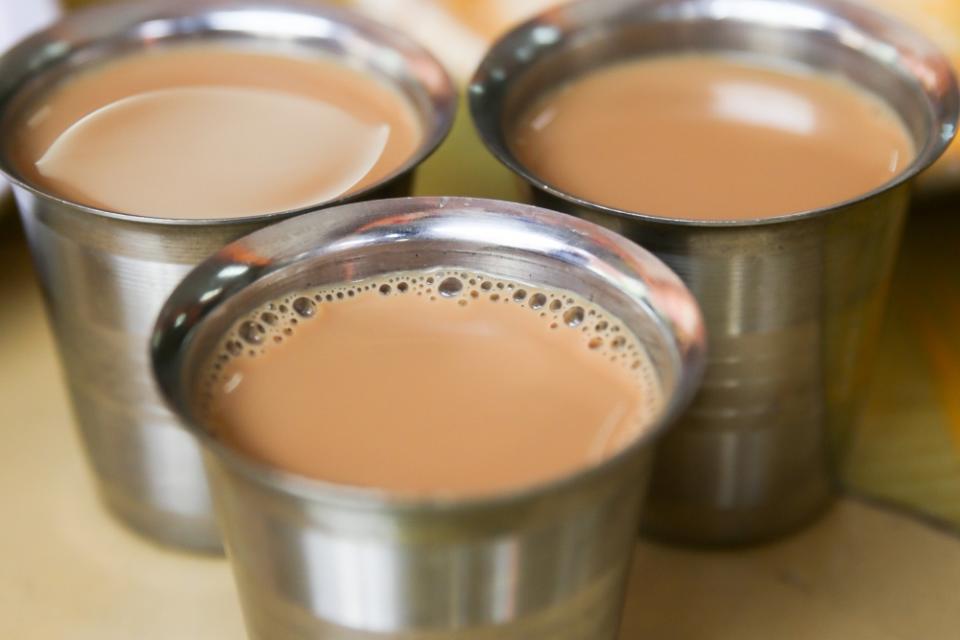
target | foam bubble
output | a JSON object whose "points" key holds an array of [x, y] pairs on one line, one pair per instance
{"points": [[304, 306], [573, 316], [269, 318], [450, 287], [252, 332]]}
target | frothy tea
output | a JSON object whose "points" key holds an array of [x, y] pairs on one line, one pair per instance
{"points": [[436, 383], [214, 130], [711, 138]]}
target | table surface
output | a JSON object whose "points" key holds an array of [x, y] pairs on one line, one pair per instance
{"points": [[862, 572]]}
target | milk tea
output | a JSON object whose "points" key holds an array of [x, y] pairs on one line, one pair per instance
{"points": [[431, 383], [214, 130], [705, 137]]}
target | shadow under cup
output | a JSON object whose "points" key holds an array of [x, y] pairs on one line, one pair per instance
{"points": [[318, 560], [105, 274], [792, 303]]}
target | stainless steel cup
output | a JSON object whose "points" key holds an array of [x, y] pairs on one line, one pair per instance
{"points": [[105, 274], [792, 303], [316, 560]]}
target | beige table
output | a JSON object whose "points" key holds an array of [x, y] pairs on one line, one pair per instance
{"points": [[68, 571]]}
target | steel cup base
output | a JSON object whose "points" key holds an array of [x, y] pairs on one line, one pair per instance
{"points": [[669, 520], [166, 528], [589, 616]]}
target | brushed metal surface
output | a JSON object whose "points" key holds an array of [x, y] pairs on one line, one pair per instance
{"points": [[792, 303], [316, 560], [105, 274]]}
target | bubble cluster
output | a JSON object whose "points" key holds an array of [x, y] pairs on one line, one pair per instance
{"points": [[559, 310]]}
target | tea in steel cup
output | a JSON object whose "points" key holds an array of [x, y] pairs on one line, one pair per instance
{"points": [[792, 303], [318, 560], [105, 274]]}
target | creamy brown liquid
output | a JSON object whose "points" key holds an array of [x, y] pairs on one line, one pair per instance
{"points": [[431, 383], [214, 130], [711, 138]]}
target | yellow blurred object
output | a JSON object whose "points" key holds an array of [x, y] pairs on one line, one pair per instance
{"points": [[457, 31], [491, 18], [940, 20]]}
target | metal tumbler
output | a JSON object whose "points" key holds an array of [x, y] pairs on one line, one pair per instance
{"points": [[105, 274], [792, 304], [324, 561]]}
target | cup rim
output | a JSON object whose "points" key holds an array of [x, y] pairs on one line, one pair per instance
{"points": [[686, 337], [933, 147], [72, 24]]}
